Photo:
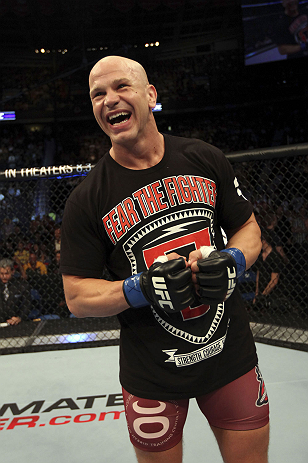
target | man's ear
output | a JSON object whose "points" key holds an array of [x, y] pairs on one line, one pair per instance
{"points": [[152, 96]]}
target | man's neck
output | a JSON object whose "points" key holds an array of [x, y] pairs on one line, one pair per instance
{"points": [[140, 155]]}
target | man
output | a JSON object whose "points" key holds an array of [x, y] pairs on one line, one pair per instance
{"points": [[35, 265], [15, 301], [292, 31], [36, 275], [160, 198], [53, 302], [22, 253]]}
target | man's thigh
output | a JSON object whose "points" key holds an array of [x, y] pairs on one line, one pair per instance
{"points": [[154, 426], [243, 446], [240, 405]]}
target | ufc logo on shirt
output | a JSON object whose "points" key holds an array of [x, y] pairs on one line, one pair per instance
{"points": [[161, 290]]}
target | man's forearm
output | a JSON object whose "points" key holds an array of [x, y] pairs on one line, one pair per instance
{"points": [[271, 285], [289, 49], [248, 240], [91, 297]]}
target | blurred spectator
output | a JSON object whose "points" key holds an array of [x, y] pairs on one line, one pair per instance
{"points": [[16, 235], [44, 255], [53, 299], [7, 228], [15, 301], [268, 267], [299, 253], [35, 227], [36, 274], [274, 235], [283, 226], [22, 253], [299, 230], [6, 249], [57, 241], [34, 266], [291, 30]]}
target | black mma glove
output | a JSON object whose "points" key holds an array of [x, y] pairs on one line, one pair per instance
{"points": [[165, 285], [218, 274]]}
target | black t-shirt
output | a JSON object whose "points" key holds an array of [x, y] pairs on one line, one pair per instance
{"points": [[292, 31], [124, 219], [18, 303], [272, 264]]}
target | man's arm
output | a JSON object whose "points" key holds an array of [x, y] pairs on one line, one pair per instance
{"points": [[271, 284], [289, 49], [167, 285], [246, 238], [215, 273], [91, 297]]}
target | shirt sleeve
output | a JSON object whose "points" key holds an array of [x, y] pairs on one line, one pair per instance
{"points": [[82, 247], [233, 208]]}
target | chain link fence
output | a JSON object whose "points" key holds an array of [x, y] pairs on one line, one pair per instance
{"points": [[274, 290]]}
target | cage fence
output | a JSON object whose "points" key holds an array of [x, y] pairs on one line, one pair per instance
{"points": [[274, 289]]}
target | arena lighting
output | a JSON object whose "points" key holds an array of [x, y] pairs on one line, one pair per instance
{"points": [[152, 44], [158, 107], [79, 337], [7, 116], [43, 50]]}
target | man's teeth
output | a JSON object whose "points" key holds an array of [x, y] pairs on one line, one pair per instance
{"points": [[119, 118]]}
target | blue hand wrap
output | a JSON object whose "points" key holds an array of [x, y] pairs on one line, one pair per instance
{"points": [[239, 258], [133, 293]]}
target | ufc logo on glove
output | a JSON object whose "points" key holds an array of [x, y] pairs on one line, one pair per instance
{"points": [[161, 290]]}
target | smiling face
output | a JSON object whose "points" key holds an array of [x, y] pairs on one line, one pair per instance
{"points": [[122, 99]]}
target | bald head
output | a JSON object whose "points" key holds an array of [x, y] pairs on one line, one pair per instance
{"points": [[109, 63], [122, 100]]}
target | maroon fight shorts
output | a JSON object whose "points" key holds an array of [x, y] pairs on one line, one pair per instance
{"points": [[156, 426]]}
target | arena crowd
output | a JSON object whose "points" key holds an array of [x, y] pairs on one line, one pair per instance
{"points": [[207, 97]]}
